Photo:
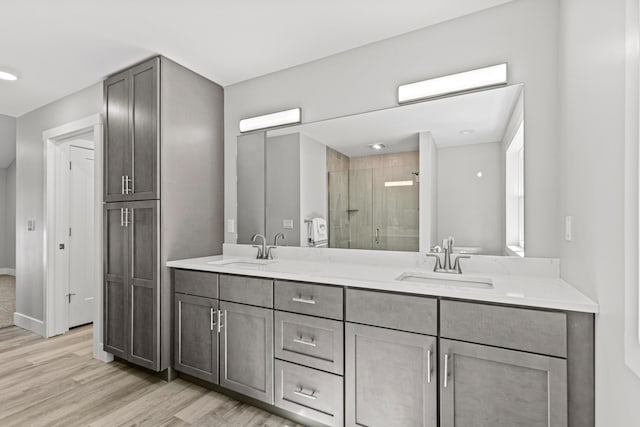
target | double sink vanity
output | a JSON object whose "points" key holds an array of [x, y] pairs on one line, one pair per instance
{"points": [[392, 344]]}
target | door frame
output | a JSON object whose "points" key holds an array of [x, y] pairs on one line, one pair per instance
{"points": [[53, 319]]}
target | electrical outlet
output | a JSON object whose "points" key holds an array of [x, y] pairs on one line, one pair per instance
{"points": [[31, 225], [567, 228], [287, 224]]}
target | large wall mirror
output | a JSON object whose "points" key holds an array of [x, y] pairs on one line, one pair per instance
{"points": [[399, 179]]}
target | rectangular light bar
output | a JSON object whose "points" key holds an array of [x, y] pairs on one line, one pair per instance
{"points": [[280, 118], [398, 183], [496, 75]]}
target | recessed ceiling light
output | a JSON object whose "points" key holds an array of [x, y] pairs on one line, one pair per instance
{"points": [[7, 76], [467, 131], [376, 146]]}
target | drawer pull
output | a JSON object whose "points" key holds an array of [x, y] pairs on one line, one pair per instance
{"points": [[301, 393], [303, 300], [304, 341]]}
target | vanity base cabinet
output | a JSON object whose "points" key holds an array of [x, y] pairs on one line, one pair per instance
{"points": [[196, 337], [390, 377], [310, 393], [246, 350], [484, 386]]}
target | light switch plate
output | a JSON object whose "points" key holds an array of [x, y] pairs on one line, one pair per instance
{"points": [[231, 226], [287, 224]]}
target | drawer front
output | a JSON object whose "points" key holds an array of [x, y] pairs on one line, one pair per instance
{"points": [[198, 283], [310, 341], [535, 331], [247, 290], [395, 311], [307, 298], [312, 394]]}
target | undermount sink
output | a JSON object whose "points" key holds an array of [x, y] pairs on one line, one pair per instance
{"points": [[243, 263], [443, 279]]}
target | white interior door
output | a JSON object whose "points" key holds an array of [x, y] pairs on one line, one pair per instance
{"points": [[81, 290]]}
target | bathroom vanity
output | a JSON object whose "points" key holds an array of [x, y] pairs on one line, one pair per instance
{"points": [[333, 343]]}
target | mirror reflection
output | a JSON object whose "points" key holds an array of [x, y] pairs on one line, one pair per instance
{"points": [[399, 179]]}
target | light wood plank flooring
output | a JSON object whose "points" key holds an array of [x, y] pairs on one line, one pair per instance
{"points": [[7, 300], [56, 382]]}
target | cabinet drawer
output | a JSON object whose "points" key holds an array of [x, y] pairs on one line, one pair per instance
{"points": [[310, 341], [309, 393], [307, 298], [247, 290], [198, 283], [395, 311], [535, 331]]}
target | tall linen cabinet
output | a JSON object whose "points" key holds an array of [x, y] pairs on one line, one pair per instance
{"points": [[164, 196]]}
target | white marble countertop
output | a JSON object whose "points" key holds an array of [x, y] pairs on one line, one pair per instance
{"points": [[532, 291]]}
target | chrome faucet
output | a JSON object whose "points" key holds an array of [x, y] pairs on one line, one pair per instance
{"points": [[446, 267], [269, 255], [262, 249]]}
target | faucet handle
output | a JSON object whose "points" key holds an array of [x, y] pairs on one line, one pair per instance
{"points": [[438, 264], [269, 255], [259, 248], [456, 263]]}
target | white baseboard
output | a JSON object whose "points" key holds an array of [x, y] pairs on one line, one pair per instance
{"points": [[28, 323], [8, 272], [100, 354]]}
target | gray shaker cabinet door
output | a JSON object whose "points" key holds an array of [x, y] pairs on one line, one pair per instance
{"points": [[117, 148], [246, 350], [115, 298], [144, 122], [390, 378], [196, 337], [144, 283], [493, 387]]}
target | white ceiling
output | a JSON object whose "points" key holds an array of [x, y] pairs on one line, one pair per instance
{"points": [[486, 113], [58, 47]]}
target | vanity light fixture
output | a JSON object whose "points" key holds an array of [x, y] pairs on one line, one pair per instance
{"points": [[8, 76], [398, 183], [482, 78], [281, 118], [377, 146]]}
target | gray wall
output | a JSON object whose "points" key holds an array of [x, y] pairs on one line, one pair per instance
{"points": [[523, 33], [592, 90], [8, 217], [30, 190]]}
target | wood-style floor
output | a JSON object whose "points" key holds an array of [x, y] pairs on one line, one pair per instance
{"points": [[56, 382]]}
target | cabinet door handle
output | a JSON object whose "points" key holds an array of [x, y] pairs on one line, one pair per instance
{"points": [[121, 217], [446, 370], [428, 366], [304, 341], [211, 319], [220, 314], [122, 185], [377, 236], [303, 300], [301, 393], [127, 181]]}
